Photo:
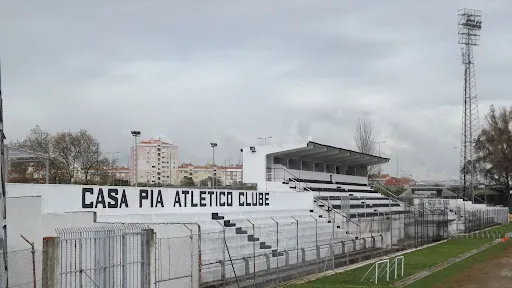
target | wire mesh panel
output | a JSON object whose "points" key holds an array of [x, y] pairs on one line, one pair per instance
{"points": [[108, 256], [175, 261], [24, 268]]}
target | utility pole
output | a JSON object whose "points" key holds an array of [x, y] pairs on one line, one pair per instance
{"points": [[378, 143], [112, 168], [397, 176]]}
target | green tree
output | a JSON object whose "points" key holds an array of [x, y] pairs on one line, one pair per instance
{"points": [[187, 181], [207, 181]]}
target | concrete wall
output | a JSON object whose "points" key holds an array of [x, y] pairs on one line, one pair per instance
{"points": [[25, 218], [255, 163]]}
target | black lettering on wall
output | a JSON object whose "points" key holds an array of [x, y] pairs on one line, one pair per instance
{"points": [[193, 203], [124, 201], [177, 199], [159, 199], [229, 198], [112, 197], [254, 199], [100, 199], [241, 199], [143, 195], [267, 201], [85, 191], [222, 201], [202, 199], [211, 197], [185, 193]]}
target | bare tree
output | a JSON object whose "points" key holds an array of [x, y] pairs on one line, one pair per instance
{"points": [[66, 147], [40, 141], [69, 153], [89, 156], [364, 137], [494, 150]]}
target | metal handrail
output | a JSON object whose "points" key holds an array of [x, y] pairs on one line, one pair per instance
{"points": [[395, 198], [293, 177], [329, 205]]}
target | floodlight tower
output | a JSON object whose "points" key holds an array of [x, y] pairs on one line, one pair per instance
{"points": [[470, 24]]}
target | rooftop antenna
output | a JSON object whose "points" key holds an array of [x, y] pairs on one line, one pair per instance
{"points": [[470, 24]]}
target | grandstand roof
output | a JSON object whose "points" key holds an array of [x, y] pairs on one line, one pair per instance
{"points": [[329, 154], [18, 154]]}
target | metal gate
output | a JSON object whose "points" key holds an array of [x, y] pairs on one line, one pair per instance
{"points": [[104, 257], [177, 260]]}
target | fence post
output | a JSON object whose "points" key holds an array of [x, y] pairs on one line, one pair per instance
{"points": [[277, 248], [51, 262], [150, 255]]}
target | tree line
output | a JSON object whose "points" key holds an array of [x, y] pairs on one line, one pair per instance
{"points": [[74, 157]]}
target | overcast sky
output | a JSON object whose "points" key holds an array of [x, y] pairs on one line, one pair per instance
{"points": [[200, 71]]}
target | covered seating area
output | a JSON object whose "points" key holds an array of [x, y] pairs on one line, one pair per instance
{"points": [[316, 157]]}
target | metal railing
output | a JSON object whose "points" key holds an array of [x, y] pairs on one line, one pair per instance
{"points": [[283, 175], [284, 248]]}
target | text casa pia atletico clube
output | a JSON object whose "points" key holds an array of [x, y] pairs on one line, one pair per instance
{"points": [[114, 198]]}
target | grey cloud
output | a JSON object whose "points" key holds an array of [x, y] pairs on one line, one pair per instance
{"points": [[198, 72]]}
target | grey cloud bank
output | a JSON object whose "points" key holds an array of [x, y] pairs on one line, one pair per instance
{"points": [[197, 72]]}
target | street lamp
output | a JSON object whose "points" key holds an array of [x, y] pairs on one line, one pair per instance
{"points": [[265, 139], [112, 167], [135, 134], [378, 143], [213, 144]]}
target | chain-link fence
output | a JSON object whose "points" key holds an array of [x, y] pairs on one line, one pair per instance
{"points": [[237, 252], [263, 252], [177, 255], [24, 269], [267, 251], [479, 219]]}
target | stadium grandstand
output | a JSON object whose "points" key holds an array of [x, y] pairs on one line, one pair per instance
{"points": [[314, 209]]}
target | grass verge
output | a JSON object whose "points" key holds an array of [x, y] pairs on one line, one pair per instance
{"points": [[458, 268], [415, 262]]}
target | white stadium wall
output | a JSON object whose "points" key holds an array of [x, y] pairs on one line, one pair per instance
{"points": [[255, 163], [141, 200]]}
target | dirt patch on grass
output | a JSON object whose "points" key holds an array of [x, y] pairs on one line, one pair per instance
{"points": [[496, 271]]}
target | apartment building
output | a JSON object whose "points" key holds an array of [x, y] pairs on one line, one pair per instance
{"points": [[228, 175], [157, 162], [120, 173]]}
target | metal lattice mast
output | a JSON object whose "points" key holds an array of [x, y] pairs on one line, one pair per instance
{"points": [[470, 24]]}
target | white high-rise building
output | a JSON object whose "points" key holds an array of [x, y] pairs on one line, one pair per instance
{"points": [[157, 162]]}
